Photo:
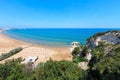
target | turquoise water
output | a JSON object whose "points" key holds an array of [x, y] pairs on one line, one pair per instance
{"points": [[53, 37]]}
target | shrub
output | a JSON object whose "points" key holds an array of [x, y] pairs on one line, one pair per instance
{"points": [[76, 51], [77, 59], [59, 70], [84, 51], [12, 52]]}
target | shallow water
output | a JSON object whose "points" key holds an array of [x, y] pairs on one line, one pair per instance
{"points": [[53, 37]]}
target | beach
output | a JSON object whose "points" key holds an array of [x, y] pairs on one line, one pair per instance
{"points": [[44, 53]]}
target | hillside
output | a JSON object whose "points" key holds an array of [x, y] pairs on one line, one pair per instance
{"points": [[109, 37], [105, 62], [99, 59]]}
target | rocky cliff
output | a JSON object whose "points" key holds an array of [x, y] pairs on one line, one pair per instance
{"points": [[109, 37]]}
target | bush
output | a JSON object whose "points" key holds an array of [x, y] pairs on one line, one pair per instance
{"points": [[12, 70], [76, 51], [59, 70], [77, 59], [12, 52], [84, 51]]}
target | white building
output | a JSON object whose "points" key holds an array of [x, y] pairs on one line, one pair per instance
{"points": [[30, 59]]}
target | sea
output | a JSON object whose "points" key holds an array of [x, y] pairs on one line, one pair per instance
{"points": [[54, 37]]}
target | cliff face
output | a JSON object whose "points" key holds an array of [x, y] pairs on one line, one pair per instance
{"points": [[110, 37], [101, 56]]}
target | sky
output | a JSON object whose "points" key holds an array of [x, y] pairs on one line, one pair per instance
{"points": [[60, 13]]}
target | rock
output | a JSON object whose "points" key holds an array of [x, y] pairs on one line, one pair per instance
{"points": [[111, 37], [83, 65], [74, 45], [88, 56]]}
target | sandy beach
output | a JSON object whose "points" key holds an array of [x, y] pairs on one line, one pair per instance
{"points": [[42, 52]]}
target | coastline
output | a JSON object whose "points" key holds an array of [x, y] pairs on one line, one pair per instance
{"points": [[37, 39], [43, 53]]}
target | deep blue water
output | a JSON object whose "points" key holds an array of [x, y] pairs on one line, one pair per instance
{"points": [[53, 37]]}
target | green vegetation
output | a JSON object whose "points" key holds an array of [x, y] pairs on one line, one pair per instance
{"points": [[104, 65], [76, 52], [51, 70], [84, 51], [101, 67], [77, 59], [63, 70], [12, 70], [98, 53], [12, 52]]}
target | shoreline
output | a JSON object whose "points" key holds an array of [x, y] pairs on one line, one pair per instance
{"points": [[43, 43], [46, 52]]}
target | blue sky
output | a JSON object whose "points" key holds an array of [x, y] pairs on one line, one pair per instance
{"points": [[60, 13]]}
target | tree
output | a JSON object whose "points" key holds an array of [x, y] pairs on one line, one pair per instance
{"points": [[59, 70], [107, 67], [76, 51], [12, 70], [84, 51]]}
